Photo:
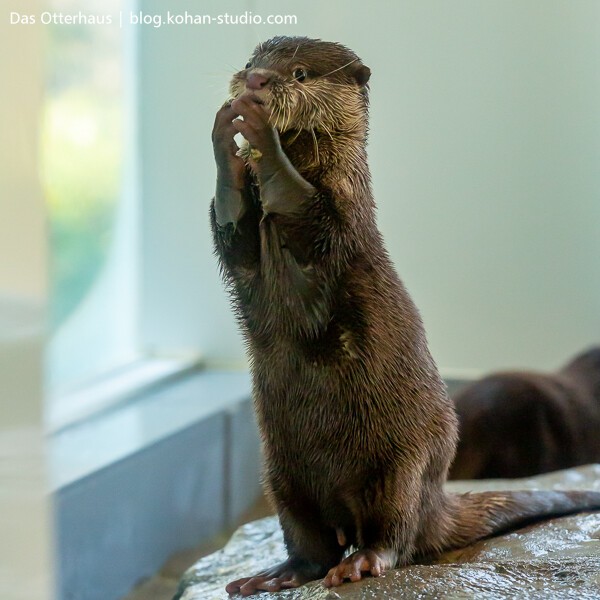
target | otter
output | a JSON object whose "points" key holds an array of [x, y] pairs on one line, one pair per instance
{"points": [[518, 424], [358, 431]]}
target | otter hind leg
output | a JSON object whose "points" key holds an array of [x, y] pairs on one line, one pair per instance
{"points": [[291, 573], [386, 525], [312, 550]]}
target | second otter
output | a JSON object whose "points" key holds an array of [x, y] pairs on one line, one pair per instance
{"points": [[521, 423], [357, 428]]}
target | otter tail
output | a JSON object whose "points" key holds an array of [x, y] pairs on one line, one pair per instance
{"points": [[475, 516]]}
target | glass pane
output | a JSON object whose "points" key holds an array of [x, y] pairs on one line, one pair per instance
{"points": [[87, 177]]}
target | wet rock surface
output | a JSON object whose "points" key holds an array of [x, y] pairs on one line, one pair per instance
{"points": [[554, 559]]}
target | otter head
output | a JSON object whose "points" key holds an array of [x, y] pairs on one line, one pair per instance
{"points": [[307, 84]]}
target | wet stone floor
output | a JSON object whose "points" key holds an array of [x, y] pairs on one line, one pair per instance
{"points": [[554, 559]]}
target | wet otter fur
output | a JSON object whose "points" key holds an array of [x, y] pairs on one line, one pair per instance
{"points": [[358, 431], [518, 424]]}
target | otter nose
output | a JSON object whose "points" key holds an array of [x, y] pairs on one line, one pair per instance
{"points": [[254, 81]]}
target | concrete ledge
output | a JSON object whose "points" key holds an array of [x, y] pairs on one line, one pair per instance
{"points": [[164, 474]]}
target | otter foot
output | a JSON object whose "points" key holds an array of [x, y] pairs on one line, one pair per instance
{"points": [[283, 576], [353, 567]]}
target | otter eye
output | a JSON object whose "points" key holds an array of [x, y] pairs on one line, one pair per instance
{"points": [[248, 65], [299, 74]]}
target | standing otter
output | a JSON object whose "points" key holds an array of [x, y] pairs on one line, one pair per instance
{"points": [[357, 428], [519, 424]]}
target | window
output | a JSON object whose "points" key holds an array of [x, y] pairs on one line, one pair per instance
{"points": [[136, 291], [89, 180]]}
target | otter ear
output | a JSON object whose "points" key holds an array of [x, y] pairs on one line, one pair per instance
{"points": [[362, 74]]}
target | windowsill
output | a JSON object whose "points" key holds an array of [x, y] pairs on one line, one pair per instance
{"points": [[93, 444], [116, 387]]}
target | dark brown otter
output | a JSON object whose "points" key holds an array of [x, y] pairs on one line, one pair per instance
{"points": [[518, 424], [357, 427]]}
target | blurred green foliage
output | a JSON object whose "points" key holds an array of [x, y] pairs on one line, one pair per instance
{"points": [[82, 156], [82, 160]]}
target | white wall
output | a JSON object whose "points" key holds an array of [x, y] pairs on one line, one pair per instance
{"points": [[184, 75], [25, 571], [484, 152], [490, 196]]}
